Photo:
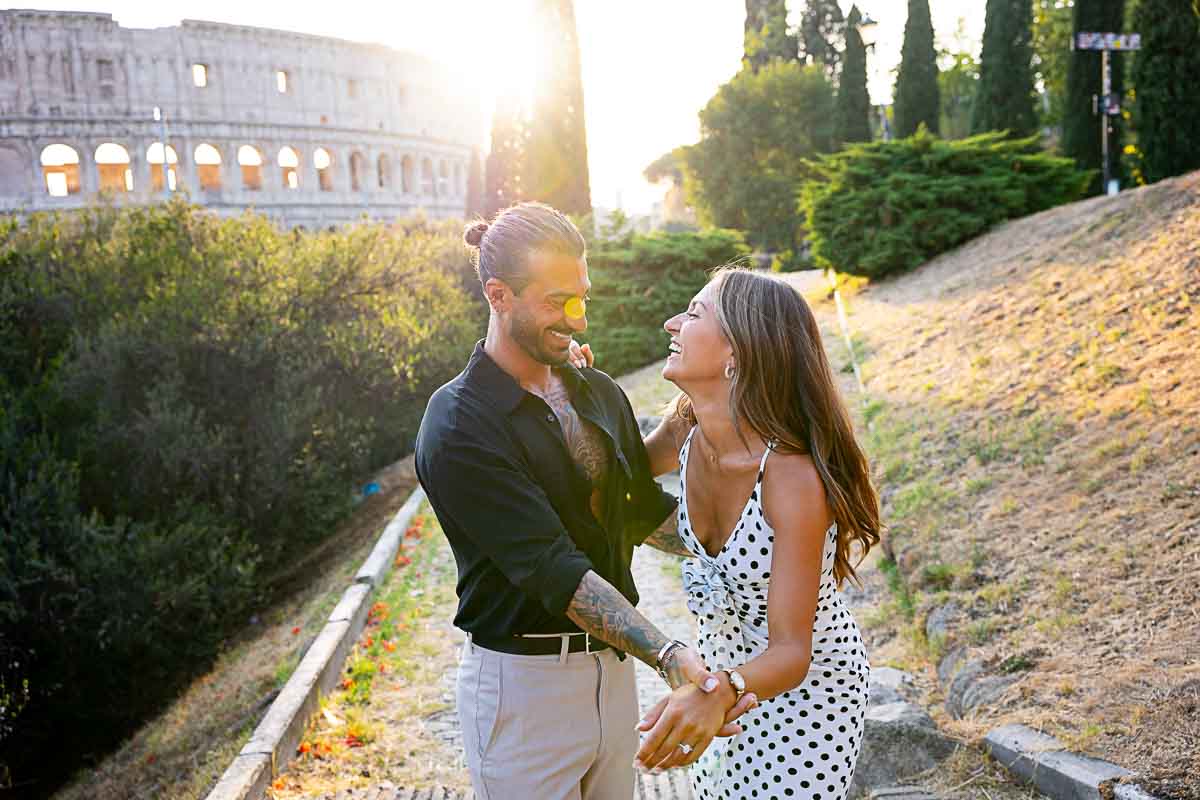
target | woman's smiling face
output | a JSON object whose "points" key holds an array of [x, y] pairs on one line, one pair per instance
{"points": [[698, 349]]}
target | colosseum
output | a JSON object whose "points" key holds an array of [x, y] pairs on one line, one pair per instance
{"points": [[309, 130]]}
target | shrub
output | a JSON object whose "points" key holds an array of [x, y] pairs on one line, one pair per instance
{"points": [[639, 281], [185, 405], [883, 207]]}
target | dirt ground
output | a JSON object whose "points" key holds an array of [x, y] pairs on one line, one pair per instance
{"points": [[1034, 403]]}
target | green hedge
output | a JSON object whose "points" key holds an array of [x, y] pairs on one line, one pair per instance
{"points": [[883, 207], [185, 404], [639, 281]]}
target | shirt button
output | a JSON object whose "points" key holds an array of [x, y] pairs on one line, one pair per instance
{"points": [[550, 417]]}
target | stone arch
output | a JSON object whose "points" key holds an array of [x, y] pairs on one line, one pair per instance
{"points": [[154, 157], [406, 174], [112, 168], [14, 179], [357, 166], [251, 161], [208, 167], [289, 163], [60, 169], [323, 163], [427, 185], [384, 169]]}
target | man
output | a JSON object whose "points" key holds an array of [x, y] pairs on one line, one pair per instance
{"points": [[538, 475]]}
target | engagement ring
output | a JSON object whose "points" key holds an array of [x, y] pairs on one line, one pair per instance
{"points": [[686, 748]]}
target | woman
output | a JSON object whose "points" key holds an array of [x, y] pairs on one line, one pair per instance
{"points": [[776, 493]]}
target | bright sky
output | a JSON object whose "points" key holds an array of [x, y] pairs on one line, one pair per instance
{"points": [[648, 65]]}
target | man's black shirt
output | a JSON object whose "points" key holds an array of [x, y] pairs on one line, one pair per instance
{"points": [[516, 508]]}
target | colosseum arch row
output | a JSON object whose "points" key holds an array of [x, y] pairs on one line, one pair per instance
{"points": [[64, 169], [306, 129]]}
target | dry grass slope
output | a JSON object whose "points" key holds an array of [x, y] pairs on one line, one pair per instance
{"points": [[1035, 410]]}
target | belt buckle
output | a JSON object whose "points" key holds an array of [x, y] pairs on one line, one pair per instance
{"points": [[587, 643]]}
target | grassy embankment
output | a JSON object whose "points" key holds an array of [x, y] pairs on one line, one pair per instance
{"points": [[1034, 400], [180, 754]]}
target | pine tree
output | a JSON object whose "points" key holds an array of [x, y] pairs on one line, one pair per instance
{"points": [[1081, 126], [765, 36], [506, 160], [1166, 74], [475, 186], [853, 102], [556, 156], [917, 86], [1005, 97], [822, 31]]}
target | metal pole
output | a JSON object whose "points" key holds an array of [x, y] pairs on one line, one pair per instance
{"points": [[1106, 90]]}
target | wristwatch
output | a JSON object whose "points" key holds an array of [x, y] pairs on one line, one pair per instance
{"points": [[737, 682]]}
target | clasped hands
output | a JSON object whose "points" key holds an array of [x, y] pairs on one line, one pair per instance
{"points": [[691, 715]]}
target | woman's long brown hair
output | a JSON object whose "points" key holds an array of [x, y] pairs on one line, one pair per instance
{"points": [[784, 390]]}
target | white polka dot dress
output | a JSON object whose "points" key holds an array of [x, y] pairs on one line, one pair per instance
{"points": [[805, 742]]}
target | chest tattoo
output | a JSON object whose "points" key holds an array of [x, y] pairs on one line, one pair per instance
{"points": [[585, 442]]}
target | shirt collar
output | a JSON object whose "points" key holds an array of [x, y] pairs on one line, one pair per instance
{"points": [[504, 389]]}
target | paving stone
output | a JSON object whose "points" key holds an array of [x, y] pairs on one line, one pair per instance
{"points": [[1042, 760], [902, 793]]}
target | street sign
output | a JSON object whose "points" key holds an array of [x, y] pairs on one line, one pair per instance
{"points": [[1108, 41]]}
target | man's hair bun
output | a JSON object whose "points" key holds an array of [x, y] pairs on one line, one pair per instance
{"points": [[473, 234]]}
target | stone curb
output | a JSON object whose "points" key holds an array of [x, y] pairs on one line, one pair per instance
{"points": [[1043, 761], [376, 567], [274, 741]]}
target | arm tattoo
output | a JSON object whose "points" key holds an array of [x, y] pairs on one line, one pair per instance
{"points": [[666, 538], [602, 611]]}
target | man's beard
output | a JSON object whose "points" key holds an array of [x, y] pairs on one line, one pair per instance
{"points": [[525, 332]]}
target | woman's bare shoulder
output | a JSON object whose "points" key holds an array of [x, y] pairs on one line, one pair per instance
{"points": [[793, 491]]}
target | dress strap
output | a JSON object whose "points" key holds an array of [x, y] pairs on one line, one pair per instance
{"points": [[763, 464], [687, 445]]}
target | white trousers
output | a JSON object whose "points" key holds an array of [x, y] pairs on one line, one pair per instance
{"points": [[546, 728]]}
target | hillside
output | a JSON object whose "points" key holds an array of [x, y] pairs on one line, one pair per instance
{"points": [[1034, 408]]}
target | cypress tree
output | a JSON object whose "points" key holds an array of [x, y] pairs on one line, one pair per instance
{"points": [[853, 102], [475, 186], [1005, 97], [822, 29], [506, 159], [556, 155], [1081, 127], [1166, 74], [765, 35], [916, 86]]}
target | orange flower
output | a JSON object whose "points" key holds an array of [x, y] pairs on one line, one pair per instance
{"points": [[418, 520], [389, 646], [347, 683], [353, 741], [403, 561], [295, 630], [279, 783], [303, 748]]}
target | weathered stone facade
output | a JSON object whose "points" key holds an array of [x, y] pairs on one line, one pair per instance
{"points": [[252, 118]]}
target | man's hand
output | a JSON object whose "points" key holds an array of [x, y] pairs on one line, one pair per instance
{"points": [[687, 716], [686, 665], [579, 355]]}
